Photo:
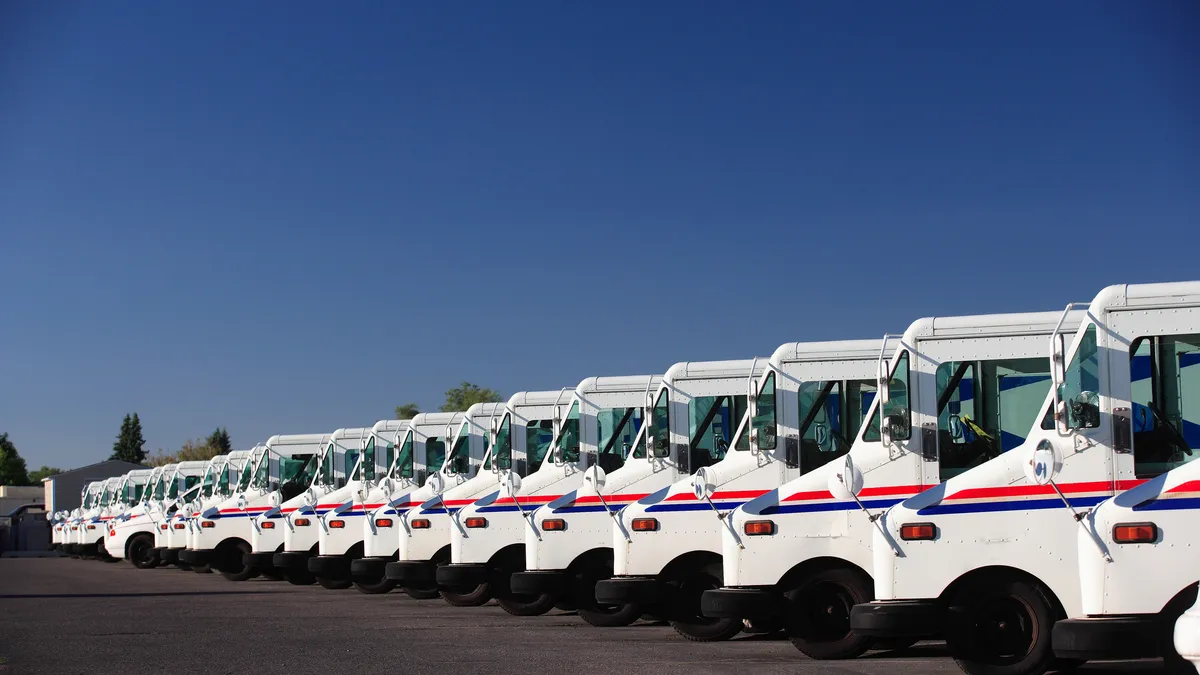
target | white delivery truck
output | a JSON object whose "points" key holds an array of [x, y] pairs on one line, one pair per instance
{"points": [[801, 555], [424, 532], [689, 418], [217, 485], [222, 532], [135, 527], [239, 465], [602, 418], [179, 493], [1142, 577], [340, 537], [490, 544], [129, 495], [422, 448], [805, 409], [88, 496], [89, 534], [989, 557], [327, 469]]}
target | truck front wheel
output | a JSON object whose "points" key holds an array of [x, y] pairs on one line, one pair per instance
{"points": [[1001, 627], [232, 566], [685, 615], [817, 613], [139, 552]]}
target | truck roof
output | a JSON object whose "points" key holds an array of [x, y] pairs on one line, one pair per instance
{"points": [[296, 439], [619, 383], [1168, 294], [540, 397], [988, 324], [695, 370], [832, 350]]}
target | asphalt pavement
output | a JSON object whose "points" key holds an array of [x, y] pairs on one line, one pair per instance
{"points": [[69, 616]]}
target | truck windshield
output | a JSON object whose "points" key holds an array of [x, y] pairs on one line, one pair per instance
{"points": [[459, 461], [618, 428], [502, 450], [568, 436], [896, 406], [190, 494], [296, 473], [366, 467], [247, 472], [325, 475], [160, 488], [831, 413], [403, 466], [435, 453]]}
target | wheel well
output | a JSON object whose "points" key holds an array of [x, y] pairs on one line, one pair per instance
{"points": [[815, 565], [510, 551], [996, 574], [132, 537], [1182, 600], [355, 551], [691, 559], [595, 556], [443, 553]]}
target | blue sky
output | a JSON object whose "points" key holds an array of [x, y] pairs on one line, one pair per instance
{"points": [[290, 217]]}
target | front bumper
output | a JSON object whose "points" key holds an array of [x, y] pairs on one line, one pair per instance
{"points": [[285, 560], [462, 575], [1110, 637], [196, 556], [539, 582], [630, 591], [741, 603], [259, 560], [330, 566], [897, 619], [369, 568], [410, 571]]}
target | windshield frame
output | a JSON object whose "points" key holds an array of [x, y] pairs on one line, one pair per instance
{"points": [[463, 433], [246, 472], [411, 441]]}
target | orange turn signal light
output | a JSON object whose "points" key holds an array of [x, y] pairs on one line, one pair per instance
{"points": [[420, 524], [476, 522], [206, 524], [756, 528], [337, 524], [268, 525], [1135, 533], [918, 532], [645, 524], [163, 526], [554, 525], [383, 522], [180, 526], [301, 522], [91, 527]]}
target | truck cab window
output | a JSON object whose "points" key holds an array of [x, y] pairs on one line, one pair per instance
{"points": [[502, 450], [539, 434], [403, 466], [1165, 387], [711, 423], [435, 453], [618, 428], [984, 408], [459, 461], [897, 406], [764, 415], [569, 436]]}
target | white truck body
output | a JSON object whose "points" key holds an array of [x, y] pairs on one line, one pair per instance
{"points": [[424, 532], [690, 414], [140, 519], [179, 491], [126, 505], [68, 529], [421, 449], [989, 557]]}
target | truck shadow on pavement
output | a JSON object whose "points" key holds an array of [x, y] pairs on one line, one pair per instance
{"points": [[37, 596]]}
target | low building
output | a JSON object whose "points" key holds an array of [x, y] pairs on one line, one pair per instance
{"points": [[12, 496], [61, 491]]}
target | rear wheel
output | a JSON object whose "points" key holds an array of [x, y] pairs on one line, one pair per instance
{"points": [[817, 617], [1001, 628], [139, 552], [685, 615]]}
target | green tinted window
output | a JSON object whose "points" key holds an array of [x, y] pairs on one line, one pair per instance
{"points": [[403, 466], [764, 414], [618, 429], [660, 426], [502, 451], [368, 461], [711, 423], [569, 436], [1081, 385], [326, 474], [897, 405], [539, 434], [435, 453], [460, 455]]}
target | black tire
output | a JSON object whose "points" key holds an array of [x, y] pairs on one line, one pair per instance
{"points": [[232, 566], [476, 597], [583, 592], [183, 566], [334, 584], [139, 552], [817, 614], [299, 577], [1001, 628], [375, 588], [894, 644], [202, 569], [500, 573], [272, 573], [422, 592], [685, 615]]}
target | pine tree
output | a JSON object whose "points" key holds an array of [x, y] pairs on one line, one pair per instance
{"points": [[219, 441], [129, 444], [12, 465]]}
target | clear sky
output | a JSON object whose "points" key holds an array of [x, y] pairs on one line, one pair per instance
{"points": [[288, 217]]}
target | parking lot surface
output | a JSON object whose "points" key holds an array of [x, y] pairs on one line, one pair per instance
{"points": [[60, 615]]}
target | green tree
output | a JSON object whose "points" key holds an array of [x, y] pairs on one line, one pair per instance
{"points": [[35, 477], [407, 411], [12, 465], [466, 395], [219, 441], [129, 443]]}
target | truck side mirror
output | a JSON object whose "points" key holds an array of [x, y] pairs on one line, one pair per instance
{"points": [[1043, 464]]}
